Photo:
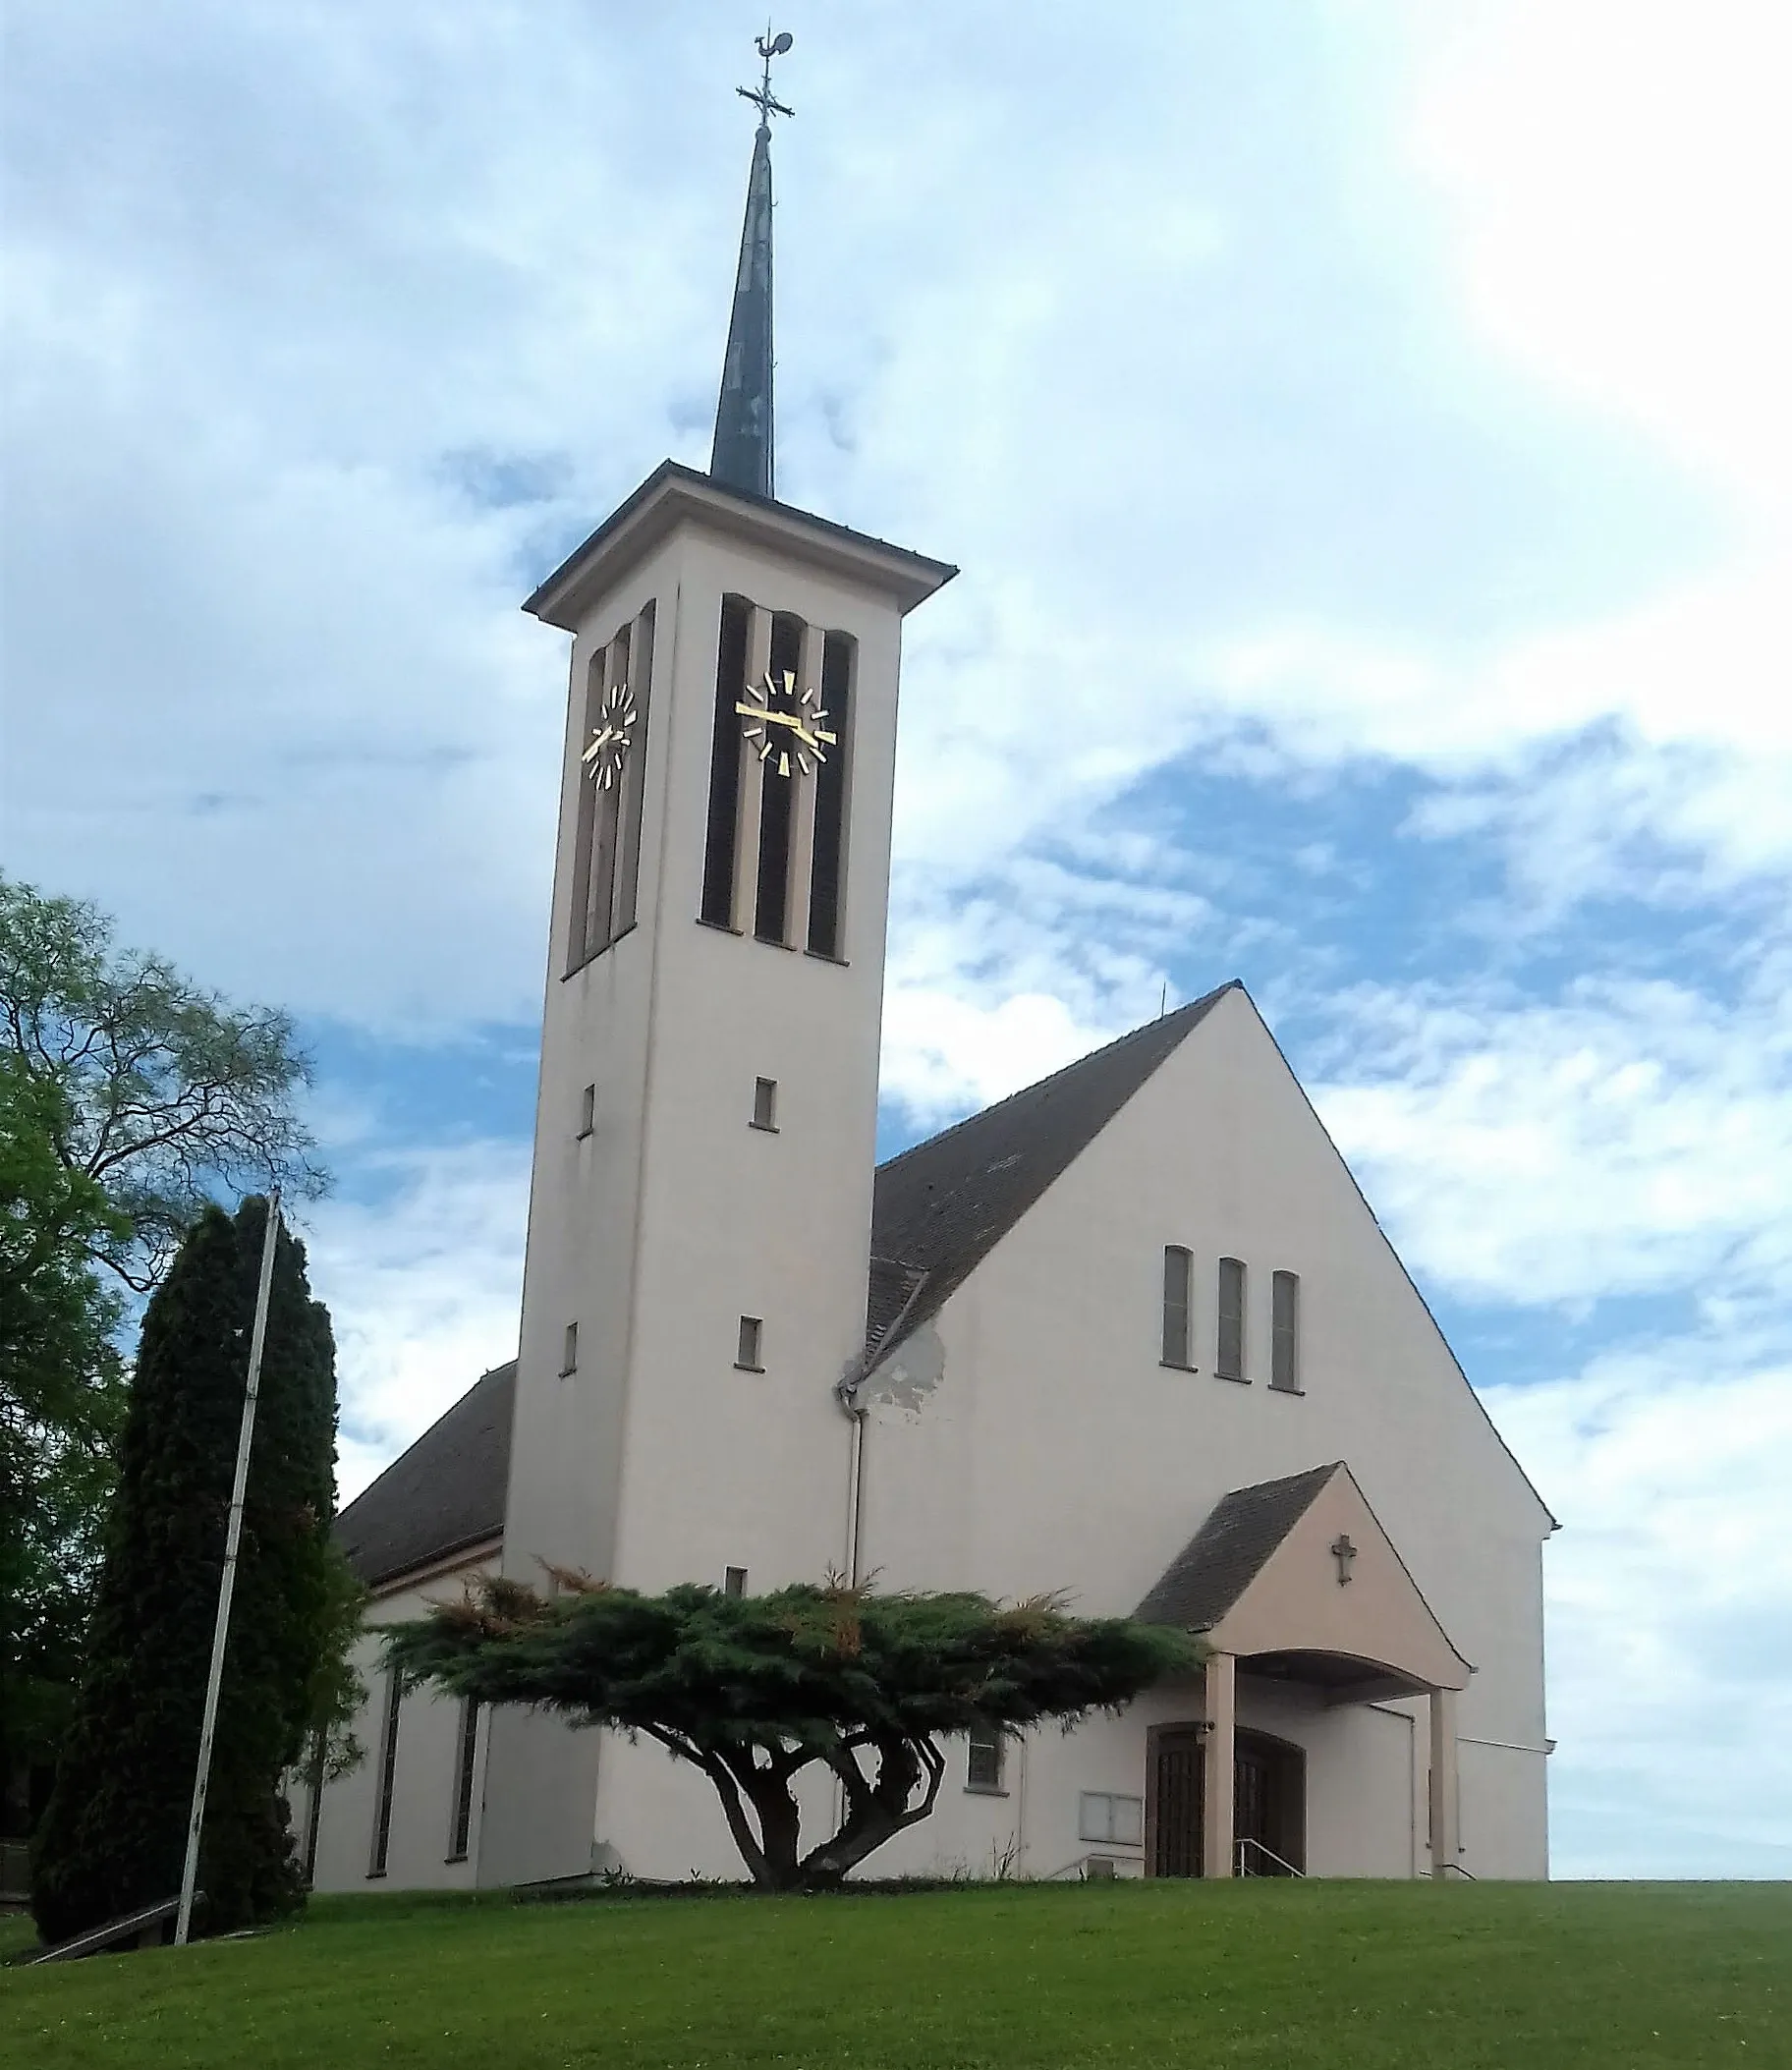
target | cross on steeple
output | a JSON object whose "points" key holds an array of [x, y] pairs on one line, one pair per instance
{"points": [[742, 454]]}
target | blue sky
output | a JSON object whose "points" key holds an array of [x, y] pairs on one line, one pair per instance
{"points": [[1362, 428]]}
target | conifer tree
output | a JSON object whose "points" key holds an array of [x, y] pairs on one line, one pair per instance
{"points": [[114, 1834]]}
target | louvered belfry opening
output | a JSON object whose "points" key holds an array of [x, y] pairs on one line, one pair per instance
{"points": [[775, 847], [612, 790]]}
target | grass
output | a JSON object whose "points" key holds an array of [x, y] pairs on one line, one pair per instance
{"points": [[1263, 1975]]}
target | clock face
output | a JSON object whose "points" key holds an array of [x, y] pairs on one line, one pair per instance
{"points": [[786, 727], [606, 754]]}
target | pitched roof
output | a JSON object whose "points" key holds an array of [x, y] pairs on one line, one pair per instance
{"points": [[444, 1494], [941, 1206], [1230, 1550]]}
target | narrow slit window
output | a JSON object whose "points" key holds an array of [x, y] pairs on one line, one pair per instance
{"points": [[388, 1769], [1229, 1349], [725, 763], [734, 1581], [765, 1104], [1178, 1282], [828, 865], [467, 1744], [313, 1809], [569, 1352], [983, 1759], [779, 778], [1285, 1332], [750, 1345], [587, 1110], [611, 776]]}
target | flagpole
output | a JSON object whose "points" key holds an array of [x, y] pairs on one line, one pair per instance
{"points": [[233, 1537]]}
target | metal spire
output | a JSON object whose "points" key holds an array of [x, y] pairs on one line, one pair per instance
{"points": [[742, 454]]}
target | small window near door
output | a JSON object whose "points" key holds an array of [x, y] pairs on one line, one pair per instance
{"points": [[734, 1581], [765, 1104], [1229, 1337], [1285, 1332], [1178, 1282], [983, 1762], [750, 1345], [1117, 1821]]}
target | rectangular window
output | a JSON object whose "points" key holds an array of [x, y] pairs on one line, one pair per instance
{"points": [[828, 865], [747, 1352], [466, 1768], [569, 1356], [734, 1581], [983, 1761], [587, 1111], [1178, 1282], [387, 1769], [1119, 1821], [1285, 1332], [313, 1809], [1229, 1349], [725, 762], [765, 1104]]}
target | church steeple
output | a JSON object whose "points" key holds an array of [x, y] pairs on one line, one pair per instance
{"points": [[742, 456]]}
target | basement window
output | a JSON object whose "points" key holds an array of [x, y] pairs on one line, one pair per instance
{"points": [[750, 1345]]}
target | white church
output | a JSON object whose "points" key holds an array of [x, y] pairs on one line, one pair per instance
{"points": [[1132, 1333]]}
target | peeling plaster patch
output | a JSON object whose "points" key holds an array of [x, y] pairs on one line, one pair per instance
{"points": [[906, 1381]]}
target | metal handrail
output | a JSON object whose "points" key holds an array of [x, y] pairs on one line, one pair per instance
{"points": [[1247, 1841], [1456, 1869]]}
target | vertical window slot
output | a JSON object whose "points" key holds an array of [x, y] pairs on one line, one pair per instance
{"points": [[587, 1110], [387, 1771], [725, 762], [466, 1742], [569, 1356], [734, 1581], [765, 1104], [827, 870], [771, 906], [1229, 1350], [750, 1345], [1285, 1332], [1178, 1283]]}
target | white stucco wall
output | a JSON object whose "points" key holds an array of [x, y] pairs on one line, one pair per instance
{"points": [[422, 1779], [1029, 1437]]}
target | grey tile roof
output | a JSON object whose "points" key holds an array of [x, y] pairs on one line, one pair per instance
{"points": [[941, 1206], [445, 1493], [1230, 1550]]}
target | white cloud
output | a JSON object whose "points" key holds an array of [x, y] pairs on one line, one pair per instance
{"points": [[1632, 1138], [1667, 1593], [425, 1285]]}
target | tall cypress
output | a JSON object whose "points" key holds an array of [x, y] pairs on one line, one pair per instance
{"points": [[113, 1836]]}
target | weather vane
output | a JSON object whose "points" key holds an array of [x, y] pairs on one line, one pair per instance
{"points": [[768, 47]]}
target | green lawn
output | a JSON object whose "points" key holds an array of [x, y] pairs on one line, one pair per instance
{"points": [[1343, 1975]]}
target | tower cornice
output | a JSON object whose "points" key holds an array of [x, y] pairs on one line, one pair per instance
{"points": [[675, 495]]}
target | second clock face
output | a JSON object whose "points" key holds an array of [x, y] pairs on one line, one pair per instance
{"points": [[606, 754], [786, 727]]}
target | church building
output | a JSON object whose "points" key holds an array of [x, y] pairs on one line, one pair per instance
{"points": [[1132, 1333]]}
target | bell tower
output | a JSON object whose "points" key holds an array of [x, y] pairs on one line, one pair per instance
{"points": [[699, 1209]]}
